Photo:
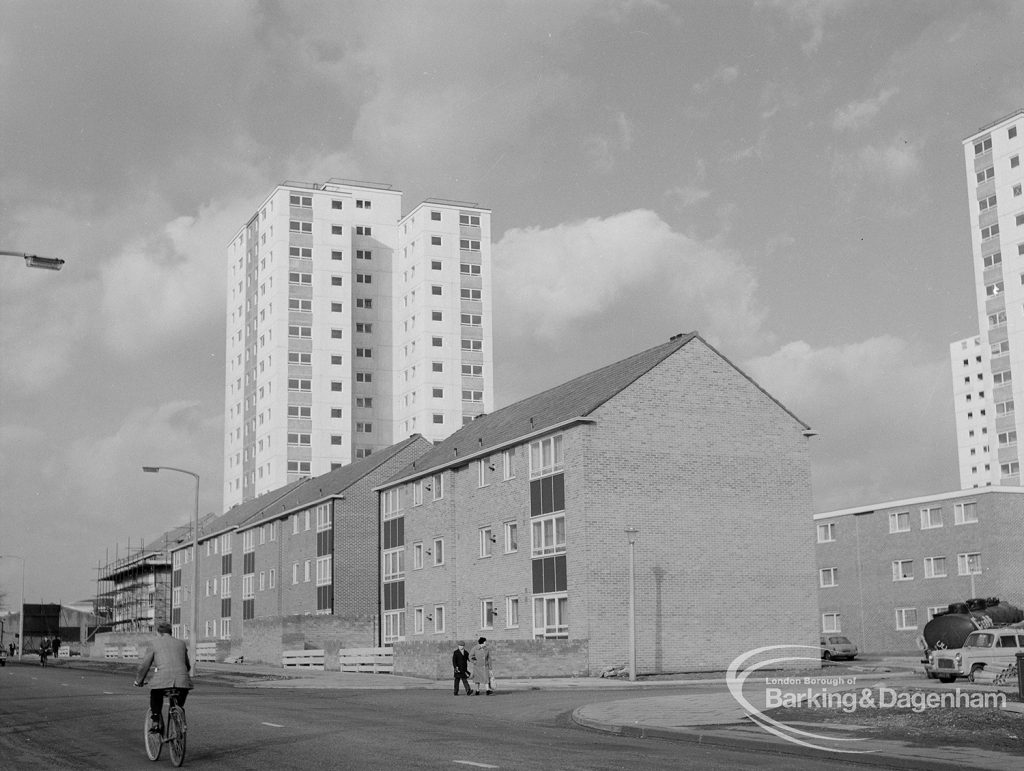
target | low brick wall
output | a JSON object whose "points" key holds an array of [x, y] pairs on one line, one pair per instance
{"points": [[510, 658], [265, 638]]}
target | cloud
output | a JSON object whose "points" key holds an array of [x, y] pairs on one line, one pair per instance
{"points": [[630, 265], [725, 76], [813, 14], [883, 410], [895, 162], [858, 115]]}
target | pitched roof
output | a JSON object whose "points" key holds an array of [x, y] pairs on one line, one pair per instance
{"points": [[304, 492], [575, 399]]}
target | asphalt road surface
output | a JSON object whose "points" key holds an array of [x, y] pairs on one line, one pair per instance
{"points": [[60, 717]]}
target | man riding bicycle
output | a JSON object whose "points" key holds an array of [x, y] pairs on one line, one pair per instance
{"points": [[169, 655]]}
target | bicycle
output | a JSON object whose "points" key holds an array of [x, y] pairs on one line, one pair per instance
{"points": [[173, 733]]}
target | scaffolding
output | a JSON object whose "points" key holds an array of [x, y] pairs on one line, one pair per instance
{"points": [[133, 592]]}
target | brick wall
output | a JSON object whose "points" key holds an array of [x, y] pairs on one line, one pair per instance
{"points": [[716, 477], [509, 658]]}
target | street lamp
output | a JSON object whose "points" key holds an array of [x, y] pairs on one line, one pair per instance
{"points": [[195, 560], [21, 617], [631, 532], [36, 261]]}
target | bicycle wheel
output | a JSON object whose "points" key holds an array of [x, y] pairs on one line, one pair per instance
{"points": [[154, 741], [176, 734]]}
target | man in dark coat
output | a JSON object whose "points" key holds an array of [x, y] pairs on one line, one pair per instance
{"points": [[460, 662]]}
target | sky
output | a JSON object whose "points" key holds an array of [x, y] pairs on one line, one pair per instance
{"points": [[785, 177]]}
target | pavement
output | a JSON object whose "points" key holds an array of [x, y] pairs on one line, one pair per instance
{"points": [[714, 719]]}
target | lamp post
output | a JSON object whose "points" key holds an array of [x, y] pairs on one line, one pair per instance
{"points": [[21, 616], [631, 532], [195, 560], [36, 261]]}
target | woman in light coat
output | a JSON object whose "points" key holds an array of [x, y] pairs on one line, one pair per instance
{"points": [[480, 660]]}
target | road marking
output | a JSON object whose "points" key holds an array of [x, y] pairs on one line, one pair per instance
{"points": [[273, 725], [478, 765]]}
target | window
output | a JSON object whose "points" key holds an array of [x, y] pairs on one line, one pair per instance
{"points": [[336, 255], [1016, 190], [487, 614], [438, 419], [508, 460], [324, 572], [992, 260], [299, 384], [394, 626], [1003, 377], [472, 345], [472, 396], [435, 216], [391, 503], [985, 174], [1011, 132], [336, 204], [300, 200], [511, 537], [299, 358], [482, 467], [364, 230], [295, 572], [486, 541], [363, 278], [1014, 161], [470, 294], [472, 319], [435, 290], [435, 240], [364, 401], [993, 289], [546, 456], [364, 428], [437, 486], [295, 304], [965, 513], [1009, 469], [363, 204], [336, 230], [983, 146], [438, 551], [827, 577], [899, 522], [551, 616], [906, 618], [469, 270], [903, 570], [297, 277], [996, 319], [931, 517], [296, 226], [438, 618], [469, 219], [364, 302], [417, 621], [1004, 408], [830, 622], [364, 254], [469, 244], [827, 532], [990, 232], [417, 555], [934, 567], [511, 612], [364, 353], [1007, 438], [306, 572], [298, 439], [986, 203], [364, 377], [300, 331], [435, 265], [394, 564], [547, 535], [1003, 346]]}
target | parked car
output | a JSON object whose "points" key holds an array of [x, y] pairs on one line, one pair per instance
{"points": [[835, 646], [986, 648]]}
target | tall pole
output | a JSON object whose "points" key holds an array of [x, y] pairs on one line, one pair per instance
{"points": [[21, 616], [195, 561], [631, 532]]}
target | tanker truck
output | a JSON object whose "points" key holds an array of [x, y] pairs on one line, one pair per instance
{"points": [[950, 628]]}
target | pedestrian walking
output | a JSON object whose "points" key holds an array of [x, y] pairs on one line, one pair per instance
{"points": [[480, 657], [55, 646], [460, 663]]}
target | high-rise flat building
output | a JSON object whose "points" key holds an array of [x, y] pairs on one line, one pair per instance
{"points": [[985, 391], [351, 326]]}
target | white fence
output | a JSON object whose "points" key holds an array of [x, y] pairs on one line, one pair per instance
{"points": [[206, 652], [303, 659], [375, 660]]}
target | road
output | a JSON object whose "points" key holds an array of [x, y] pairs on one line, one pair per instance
{"points": [[61, 717]]}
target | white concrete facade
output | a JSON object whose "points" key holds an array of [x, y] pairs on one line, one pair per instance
{"points": [[331, 351], [984, 387]]}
